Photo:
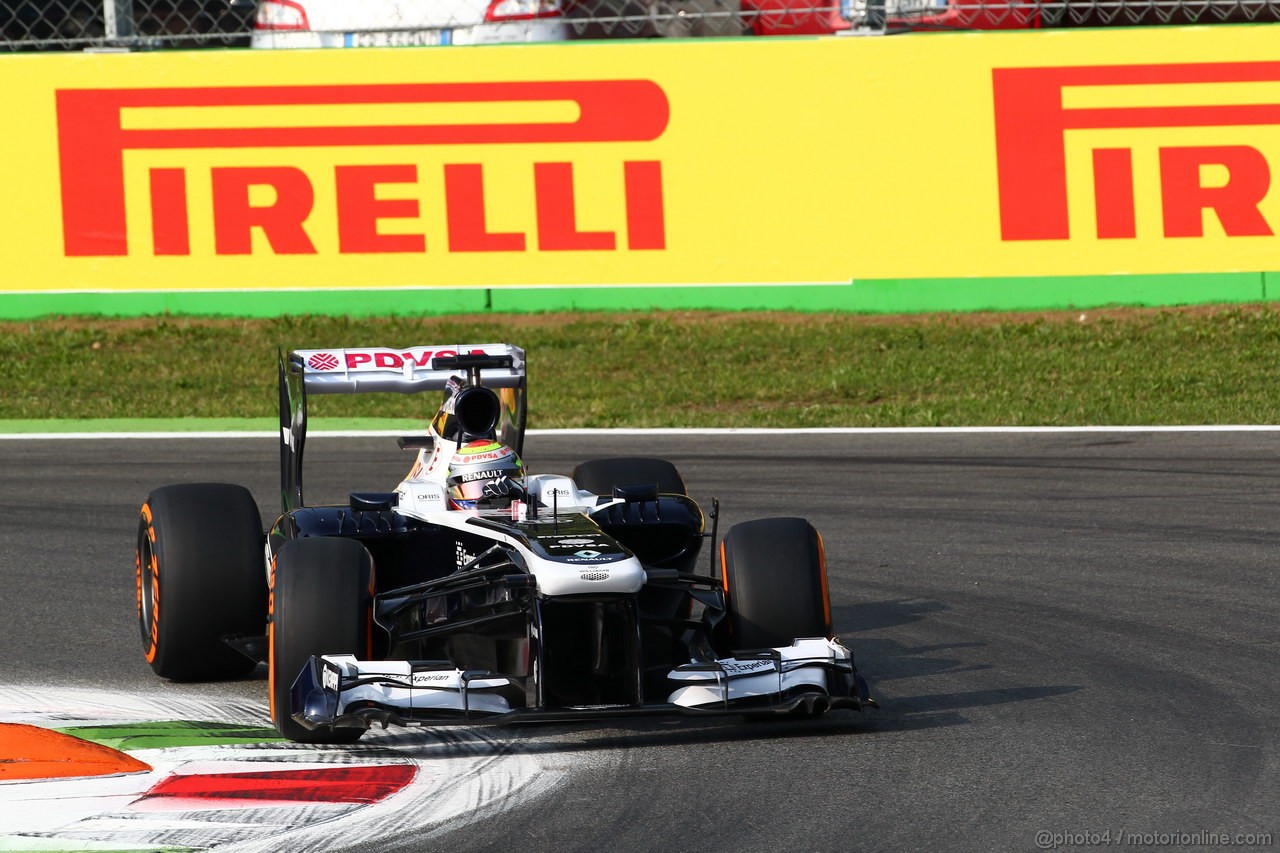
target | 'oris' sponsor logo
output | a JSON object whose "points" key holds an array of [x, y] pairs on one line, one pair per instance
{"points": [[330, 678]]}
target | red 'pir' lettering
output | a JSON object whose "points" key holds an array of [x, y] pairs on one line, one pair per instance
{"points": [[92, 141], [1031, 127], [1184, 198]]}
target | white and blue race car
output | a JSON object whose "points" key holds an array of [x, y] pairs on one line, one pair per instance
{"points": [[474, 593]]}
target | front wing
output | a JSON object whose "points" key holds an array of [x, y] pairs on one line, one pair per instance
{"points": [[339, 691]]}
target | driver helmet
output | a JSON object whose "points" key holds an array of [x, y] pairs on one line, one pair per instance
{"points": [[477, 464]]}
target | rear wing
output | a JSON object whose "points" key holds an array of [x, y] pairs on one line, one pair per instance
{"points": [[364, 370]]}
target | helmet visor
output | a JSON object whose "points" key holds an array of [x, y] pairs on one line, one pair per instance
{"points": [[471, 491]]}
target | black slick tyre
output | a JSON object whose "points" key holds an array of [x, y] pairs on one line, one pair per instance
{"points": [[599, 476], [775, 582], [200, 577], [320, 605]]}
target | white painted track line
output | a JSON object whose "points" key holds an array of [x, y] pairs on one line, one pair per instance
{"points": [[90, 436]]}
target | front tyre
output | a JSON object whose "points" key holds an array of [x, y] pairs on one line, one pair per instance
{"points": [[199, 577], [321, 600], [775, 580]]}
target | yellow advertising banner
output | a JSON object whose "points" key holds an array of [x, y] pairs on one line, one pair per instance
{"points": [[720, 162]]}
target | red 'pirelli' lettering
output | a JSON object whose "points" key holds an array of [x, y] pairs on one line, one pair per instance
{"points": [[1113, 193], [92, 138], [646, 225], [359, 209], [170, 233], [235, 216], [464, 209], [1236, 202], [557, 217]]}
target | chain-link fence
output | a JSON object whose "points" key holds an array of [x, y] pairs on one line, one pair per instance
{"points": [[80, 24], [148, 24]]}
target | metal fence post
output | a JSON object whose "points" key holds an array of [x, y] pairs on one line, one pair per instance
{"points": [[118, 16]]}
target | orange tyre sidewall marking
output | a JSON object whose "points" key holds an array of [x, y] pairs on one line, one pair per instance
{"points": [[724, 570], [155, 610], [137, 579], [152, 588], [826, 591], [724, 581], [137, 558]]}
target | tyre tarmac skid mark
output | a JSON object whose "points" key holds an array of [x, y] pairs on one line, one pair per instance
{"points": [[30, 752], [213, 777]]}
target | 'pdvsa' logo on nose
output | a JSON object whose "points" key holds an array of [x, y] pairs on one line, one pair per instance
{"points": [[93, 139], [1032, 119]]}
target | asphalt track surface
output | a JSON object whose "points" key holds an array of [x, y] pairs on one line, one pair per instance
{"points": [[1068, 633]]}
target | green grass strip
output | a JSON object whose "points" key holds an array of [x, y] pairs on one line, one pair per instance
{"points": [[36, 844], [1198, 366], [160, 735]]}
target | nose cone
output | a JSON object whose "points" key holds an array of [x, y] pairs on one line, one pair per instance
{"points": [[588, 572]]}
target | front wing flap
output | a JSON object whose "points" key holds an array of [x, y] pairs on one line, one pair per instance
{"points": [[339, 691]]}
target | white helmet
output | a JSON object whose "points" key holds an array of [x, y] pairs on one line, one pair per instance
{"points": [[484, 475]]}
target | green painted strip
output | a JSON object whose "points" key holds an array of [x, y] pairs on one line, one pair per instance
{"points": [[907, 296], [161, 735], [763, 297], [36, 844], [268, 303], [1271, 285], [14, 426], [875, 296]]}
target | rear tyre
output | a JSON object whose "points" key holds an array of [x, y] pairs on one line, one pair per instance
{"points": [[321, 602], [775, 580], [599, 476], [199, 577]]}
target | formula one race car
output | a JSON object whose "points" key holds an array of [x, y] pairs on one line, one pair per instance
{"points": [[474, 593]]}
